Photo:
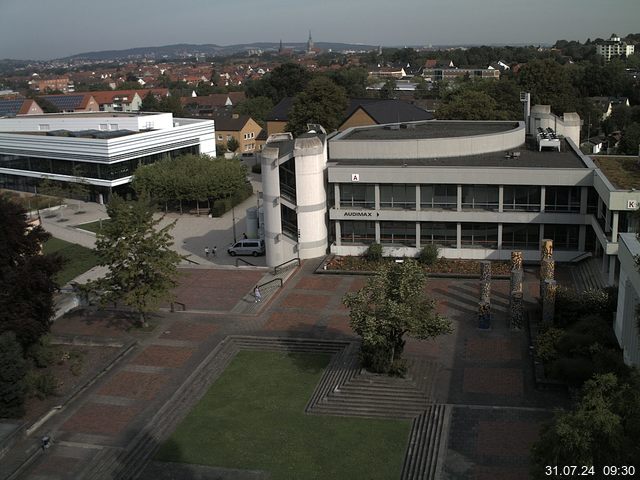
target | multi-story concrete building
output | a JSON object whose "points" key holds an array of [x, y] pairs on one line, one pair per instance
{"points": [[614, 47], [101, 150]]}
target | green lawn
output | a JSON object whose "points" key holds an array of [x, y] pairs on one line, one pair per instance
{"points": [[92, 226], [79, 259], [253, 417]]}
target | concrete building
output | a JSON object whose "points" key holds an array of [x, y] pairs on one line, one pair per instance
{"points": [[241, 127], [626, 322], [614, 47], [101, 150]]}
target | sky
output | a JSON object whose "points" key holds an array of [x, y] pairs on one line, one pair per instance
{"points": [[48, 29]]}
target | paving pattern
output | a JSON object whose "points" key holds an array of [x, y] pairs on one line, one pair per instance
{"points": [[478, 412]]}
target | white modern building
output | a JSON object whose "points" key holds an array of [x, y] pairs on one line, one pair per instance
{"points": [[99, 149], [626, 323], [614, 47]]}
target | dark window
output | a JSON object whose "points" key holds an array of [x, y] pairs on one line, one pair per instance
{"points": [[289, 220], [357, 232], [353, 195], [398, 196], [592, 201], [480, 197], [521, 198], [562, 199], [565, 237], [443, 234], [519, 236], [398, 233], [288, 180], [439, 196], [479, 235]]}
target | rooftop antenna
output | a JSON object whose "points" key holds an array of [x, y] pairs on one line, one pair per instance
{"points": [[525, 98]]}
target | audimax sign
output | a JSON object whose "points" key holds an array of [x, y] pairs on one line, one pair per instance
{"points": [[360, 214]]}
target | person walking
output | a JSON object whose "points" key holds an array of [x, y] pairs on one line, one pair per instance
{"points": [[257, 294], [244, 236], [214, 251], [206, 251]]}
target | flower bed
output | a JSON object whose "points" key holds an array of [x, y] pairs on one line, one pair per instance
{"points": [[442, 266]]}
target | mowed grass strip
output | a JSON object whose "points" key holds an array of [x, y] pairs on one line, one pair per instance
{"points": [[93, 226], [253, 418], [78, 259]]}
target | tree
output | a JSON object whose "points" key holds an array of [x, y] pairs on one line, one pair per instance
{"points": [[388, 90], [142, 265], [26, 278], [630, 141], [549, 84], [257, 108], [353, 80], [149, 103], [13, 369], [322, 102], [391, 305], [602, 429], [171, 104], [233, 145], [469, 105], [287, 80]]}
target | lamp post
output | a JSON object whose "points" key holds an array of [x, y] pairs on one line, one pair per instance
{"points": [[233, 220]]}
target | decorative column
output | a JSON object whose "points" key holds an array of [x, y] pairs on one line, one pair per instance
{"points": [[484, 305], [516, 294], [516, 310], [549, 301], [547, 264]]}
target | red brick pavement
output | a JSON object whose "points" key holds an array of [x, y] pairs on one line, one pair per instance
{"points": [[134, 385], [494, 381], [493, 349], [93, 323], [291, 321], [56, 465], [188, 331], [326, 283], [429, 348], [100, 419], [357, 284], [339, 323], [311, 302], [506, 438], [163, 356], [214, 289]]}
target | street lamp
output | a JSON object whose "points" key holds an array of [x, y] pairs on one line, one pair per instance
{"points": [[233, 219]]}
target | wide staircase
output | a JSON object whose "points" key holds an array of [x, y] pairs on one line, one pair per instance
{"points": [[587, 275]]}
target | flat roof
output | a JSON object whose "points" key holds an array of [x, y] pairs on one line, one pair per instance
{"points": [[429, 130], [528, 158], [87, 114], [622, 171]]}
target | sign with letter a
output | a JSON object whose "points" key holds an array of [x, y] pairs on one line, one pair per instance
{"points": [[355, 177]]}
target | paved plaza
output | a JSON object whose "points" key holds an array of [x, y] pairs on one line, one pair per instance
{"points": [[484, 377]]}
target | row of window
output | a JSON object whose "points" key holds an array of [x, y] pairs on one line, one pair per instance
{"points": [[473, 235], [474, 197]]}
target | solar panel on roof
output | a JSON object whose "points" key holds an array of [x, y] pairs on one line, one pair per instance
{"points": [[67, 102], [10, 107]]}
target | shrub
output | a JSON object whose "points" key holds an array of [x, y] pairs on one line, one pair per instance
{"points": [[574, 371], [547, 343], [43, 353], [429, 254], [571, 306], [13, 368], [374, 252], [41, 385]]}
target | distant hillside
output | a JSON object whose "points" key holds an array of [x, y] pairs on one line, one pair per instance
{"points": [[189, 50]]}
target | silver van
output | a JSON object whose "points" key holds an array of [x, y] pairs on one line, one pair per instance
{"points": [[249, 246]]}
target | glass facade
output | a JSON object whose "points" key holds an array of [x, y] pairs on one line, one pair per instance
{"points": [[521, 198], [359, 233], [288, 180], [439, 197], [98, 171], [565, 237], [289, 222], [354, 195], [443, 234], [399, 196], [480, 197], [521, 236], [398, 233], [562, 199], [479, 235]]}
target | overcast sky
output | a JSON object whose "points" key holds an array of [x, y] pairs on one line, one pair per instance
{"points": [[46, 29]]}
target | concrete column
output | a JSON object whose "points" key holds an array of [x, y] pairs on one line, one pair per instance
{"points": [[584, 195], [271, 206], [376, 195], [377, 232], [607, 221], [605, 259], [499, 236], [582, 237], [614, 227], [612, 269], [336, 194], [417, 198], [600, 205], [338, 232], [459, 198], [458, 235], [500, 205], [543, 191], [418, 235], [541, 237]]}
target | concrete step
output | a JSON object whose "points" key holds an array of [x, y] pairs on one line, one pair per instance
{"points": [[363, 411]]}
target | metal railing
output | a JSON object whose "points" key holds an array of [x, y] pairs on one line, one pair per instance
{"points": [[184, 307], [582, 256], [186, 257], [244, 261], [277, 267], [277, 280]]}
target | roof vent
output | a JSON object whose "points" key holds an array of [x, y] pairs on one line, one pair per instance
{"points": [[393, 126]]}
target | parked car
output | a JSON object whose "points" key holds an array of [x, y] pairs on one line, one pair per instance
{"points": [[249, 246]]}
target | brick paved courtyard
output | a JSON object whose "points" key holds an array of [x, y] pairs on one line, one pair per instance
{"points": [[484, 375]]}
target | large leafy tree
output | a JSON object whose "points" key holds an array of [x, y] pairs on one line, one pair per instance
{"points": [[286, 80], [602, 429], [142, 265], [391, 305], [257, 108], [322, 102], [13, 368], [26, 278]]}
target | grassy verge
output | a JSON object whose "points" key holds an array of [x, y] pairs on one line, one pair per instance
{"points": [[253, 418], [78, 259], [92, 226]]}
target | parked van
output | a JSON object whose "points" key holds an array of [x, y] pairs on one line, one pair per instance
{"points": [[253, 247]]}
